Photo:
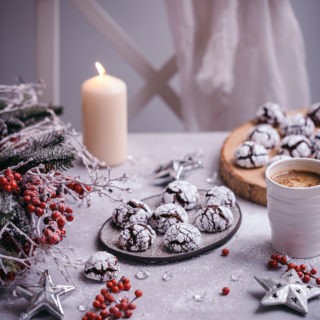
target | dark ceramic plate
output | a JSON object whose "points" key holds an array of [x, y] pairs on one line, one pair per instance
{"points": [[109, 234]]}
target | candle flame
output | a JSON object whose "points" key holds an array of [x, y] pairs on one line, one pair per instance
{"points": [[100, 68]]}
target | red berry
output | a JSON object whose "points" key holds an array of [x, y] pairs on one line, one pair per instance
{"points": [[27, 199], [7, 171], [88, 188], [303, 267], [61, 207], [9, 177], [120, 286], [39, 212], [100, 298], [47, 231], [70, 217], [131, 306], [52, 206], [36, 202], [290, 266], [313, 271], [115, 289], [84, 318], [114, 282], [7, 188], [104, 314], [306, 279], [225, 291], [43, 239], [53, 238], [277, 257], [113, 309], [103, 291], [13, 184], [300, 274], [17, 176], [138, 293], [127, 286], [68, 210], [124, 300], [110, 298], [61, 221], [318, 281], [98, 317], [128, 314], [78, 189], [109, 284], [283, 260], [30, 208], [117, 314], [125, 280], [96, 304], [273, 264], [123, 306], [42, 205], [103, 306], [225, 252], [297, 268], [3, 181], [55, 215]]}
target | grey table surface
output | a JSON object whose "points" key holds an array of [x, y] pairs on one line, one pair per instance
{"points": [[204, 275]]}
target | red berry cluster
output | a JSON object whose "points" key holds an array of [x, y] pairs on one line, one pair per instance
{"points": [[301, 270], [10, 182], [76, 187], [105, 305]]}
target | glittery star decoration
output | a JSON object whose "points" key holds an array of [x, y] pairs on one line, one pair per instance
{"points": [[289, 291], [43, 295]]}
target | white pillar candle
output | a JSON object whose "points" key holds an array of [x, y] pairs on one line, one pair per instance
{"points": [[104, 117]]}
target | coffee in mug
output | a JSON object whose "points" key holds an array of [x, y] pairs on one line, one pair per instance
{"points": [[297, 178]]}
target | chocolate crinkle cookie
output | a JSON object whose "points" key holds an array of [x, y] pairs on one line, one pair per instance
{"points": [[220, 196], [214, 219], [316, 155], [137, 237], [296, 146], [166, 215], [182, 237], [297, 124], [131, 212], [102, 266], [251, 155], [278, 158], [314, 113], [265, 135], [315, 140], [182, 193], [270, 113]]}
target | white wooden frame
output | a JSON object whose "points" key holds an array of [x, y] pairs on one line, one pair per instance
{"points": [[156, 81]]}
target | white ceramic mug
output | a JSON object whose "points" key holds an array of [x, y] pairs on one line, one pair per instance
{"points": [[294, 213]]}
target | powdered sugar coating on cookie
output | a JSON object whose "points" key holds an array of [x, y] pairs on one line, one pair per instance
{"points": [[278, 158], [270, 113], [296, 146], [220, 196], [102, 266], [265, 135], [214, 219], [297, 124], [137, 237], [166, 215], [315, 140], [134, 211], [314, 113], [182, 237], [182, 193], [251, 155]]}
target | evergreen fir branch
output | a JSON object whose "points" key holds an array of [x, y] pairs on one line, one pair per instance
{"points": [[31, 114], [49, 140], [14, 124]]}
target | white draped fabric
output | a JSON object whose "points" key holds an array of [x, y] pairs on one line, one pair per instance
{"points": [[233, 55]]}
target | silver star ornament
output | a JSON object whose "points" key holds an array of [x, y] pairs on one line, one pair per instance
{"points": [[43, 295], [288, 291]]}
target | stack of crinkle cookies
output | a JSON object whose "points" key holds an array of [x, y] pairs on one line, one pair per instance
{"points": [[140, 225], [299, 138]]}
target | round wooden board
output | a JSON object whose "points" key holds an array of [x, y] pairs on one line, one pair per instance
{"points": [[109, 235], [247, 183]]}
